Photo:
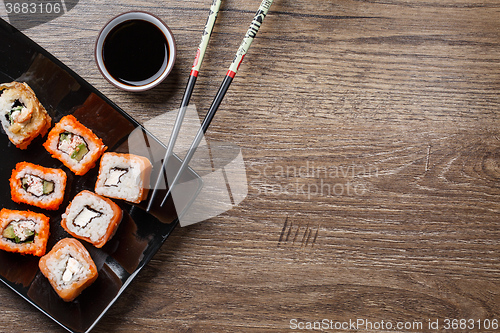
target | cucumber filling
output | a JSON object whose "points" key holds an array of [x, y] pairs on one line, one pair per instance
{"points": [[22, 231], [72, 145], [37, 186]]}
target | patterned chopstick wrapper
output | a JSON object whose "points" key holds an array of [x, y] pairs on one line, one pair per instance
{"points": [[250, 35], [209, 26]]}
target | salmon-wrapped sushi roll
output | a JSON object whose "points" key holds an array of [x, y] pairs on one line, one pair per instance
{"points": [[92, 218], [23, 117], [124, 176], [69, 268], [75, 145], [24, 232], [38, 186]]}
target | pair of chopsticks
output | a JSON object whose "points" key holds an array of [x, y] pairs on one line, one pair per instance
{"points": [[233, 69]]}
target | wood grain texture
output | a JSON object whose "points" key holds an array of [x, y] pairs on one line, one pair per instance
{"points": [[370, 133]]}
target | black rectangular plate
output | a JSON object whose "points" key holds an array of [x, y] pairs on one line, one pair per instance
{"points": [[140, 234]]}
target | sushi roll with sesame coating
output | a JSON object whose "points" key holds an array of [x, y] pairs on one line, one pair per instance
{"points": [[92, 218], [22, 115], [23, 232], [75, 145], [38, 186], [69, 268]]}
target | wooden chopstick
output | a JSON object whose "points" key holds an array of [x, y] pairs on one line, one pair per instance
{"points": [[200, 54], [233, 69]]}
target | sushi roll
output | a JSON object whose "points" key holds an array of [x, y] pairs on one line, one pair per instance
{"points": [[37, 186], [23, 117], [75, 145], [24, 232], [92, 218], [124, 176], [69, 268]]}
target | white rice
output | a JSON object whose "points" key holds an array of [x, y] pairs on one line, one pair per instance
{"points": [[57, 266], [7, 99], [52, 176], [131, 183], [98, 226], [14, 216], [89, 157]]}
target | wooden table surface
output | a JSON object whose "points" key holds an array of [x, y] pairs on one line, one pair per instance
{"points": [[370, 132]]}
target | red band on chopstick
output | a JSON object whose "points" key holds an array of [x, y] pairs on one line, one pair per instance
{"points": [[194, 73], [231, 74]]}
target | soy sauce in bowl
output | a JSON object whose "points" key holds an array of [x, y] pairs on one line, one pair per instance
{"points": [[135, 52]]}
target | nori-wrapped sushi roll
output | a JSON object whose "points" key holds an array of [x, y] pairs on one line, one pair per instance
{"points": [[75, 145]]}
